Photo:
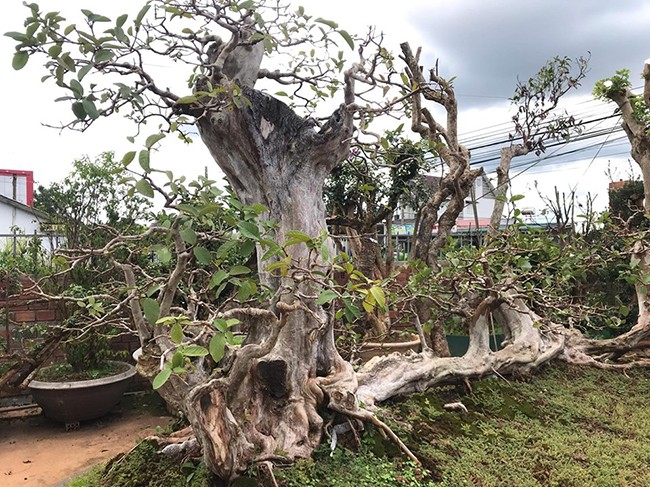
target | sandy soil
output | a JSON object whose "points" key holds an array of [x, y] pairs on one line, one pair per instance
{"points": [[38, 452]]}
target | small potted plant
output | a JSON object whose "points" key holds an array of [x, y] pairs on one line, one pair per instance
{"points": [[88, 385]]}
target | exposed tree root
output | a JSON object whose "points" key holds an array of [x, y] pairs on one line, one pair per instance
{"points": [[368, 416]]}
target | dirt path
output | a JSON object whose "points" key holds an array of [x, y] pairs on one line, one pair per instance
{"points": [[38, 452]]}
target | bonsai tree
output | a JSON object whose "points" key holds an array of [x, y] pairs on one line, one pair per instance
{"points": [[260, 401], [364, 192], [534, 123]]}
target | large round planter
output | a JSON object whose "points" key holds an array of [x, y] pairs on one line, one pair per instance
{"points": [[458, 344], [71, 402], [369, 350]]}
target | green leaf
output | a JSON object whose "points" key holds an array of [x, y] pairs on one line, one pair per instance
{"points": [[221, 325], [247, 248], [143, 160], [195, 351], [128, 158], [176, 333], [517, 197], [178, 360], [246, 4], [121, 19], [217, 278], [152, 139], [90, 108], [76, 88], [187, 100], [144, 188], [249, 230], [188, 235], [189, 209], [624, 310], [66, 61], [280, 264], [78, 110], [217, 346], [347, 37], [151, 309], [17, 36], [297, 236], [203, 255], [164, 255], [143, 11], [245, 291], [326, 296], [19, 60], [329, 23], [162, 377], [84, 71], [239, 270], [103, 55], [219, 290], [54, 51], [378, 294], [325, 251]]}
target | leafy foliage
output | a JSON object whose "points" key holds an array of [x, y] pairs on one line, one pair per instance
{"points": [[606, 89], [366, 188], [535, 99], [585, 282], [91, 196], [626, 204], [76, 53]]}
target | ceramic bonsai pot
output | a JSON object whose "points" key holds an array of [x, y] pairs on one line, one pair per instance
{"points": [[373, 349], [75, 401]]}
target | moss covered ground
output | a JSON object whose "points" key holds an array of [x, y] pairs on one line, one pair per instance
{"points": [[563, 427]]}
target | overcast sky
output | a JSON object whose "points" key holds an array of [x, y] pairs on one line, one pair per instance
{"points": [[485, 45]]}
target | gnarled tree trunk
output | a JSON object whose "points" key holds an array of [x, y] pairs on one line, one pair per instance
{"points": [[503, 183], [265, 407]]}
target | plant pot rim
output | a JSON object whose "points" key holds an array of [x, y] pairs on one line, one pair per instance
{"points": [[79, 384]]}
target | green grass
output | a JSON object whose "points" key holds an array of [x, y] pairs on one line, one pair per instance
{"points": [[143, 467], [565, 427], [90, 477]]}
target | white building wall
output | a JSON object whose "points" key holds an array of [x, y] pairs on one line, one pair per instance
{"points": [[484, 203], [15, 217], [25, 223]]}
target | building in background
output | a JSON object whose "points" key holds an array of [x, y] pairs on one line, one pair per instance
{"points": [[17, 185], [470, 226], [19, 220]]}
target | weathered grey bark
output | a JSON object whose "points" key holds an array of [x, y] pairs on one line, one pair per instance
{"points": [[639, 136], [529, 347], [289, 365], [637, 133], [455, 185], [503, 183]]}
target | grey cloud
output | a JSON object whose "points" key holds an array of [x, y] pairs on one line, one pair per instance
{"points": [[487, 45]]}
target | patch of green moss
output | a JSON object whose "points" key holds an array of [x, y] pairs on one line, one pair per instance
{"points": [[65, 372], [343, 468], [144, 467], [90, 478], [566, 427]]}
